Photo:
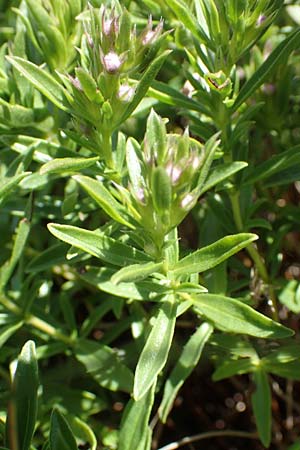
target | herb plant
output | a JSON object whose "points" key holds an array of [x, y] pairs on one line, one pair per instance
{"points": [[149, 192]]}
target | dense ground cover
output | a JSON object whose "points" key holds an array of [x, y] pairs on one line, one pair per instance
{"points": [[149, 224]]}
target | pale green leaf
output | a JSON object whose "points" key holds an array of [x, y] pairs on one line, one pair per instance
{"points": [[143, 86], [7, 184], [136, 272], [187, 361], [134, 431], [142, 290], [103, 197], [261, 403], [221, 173], [41, 80], [66, 165], [98, 244], [212, 255], [155, 352], [232, 315], [104, 365]]}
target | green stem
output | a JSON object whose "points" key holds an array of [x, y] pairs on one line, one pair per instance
{"points": [[107, 148], [234, 196], [34, 321], [253, 252]]}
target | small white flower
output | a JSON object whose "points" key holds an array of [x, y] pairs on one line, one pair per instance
{"points": [[187, 201], [126, 93], [111, 62]]}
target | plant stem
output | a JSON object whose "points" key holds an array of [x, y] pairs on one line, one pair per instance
{"points": [[34, 321], [253, 252], [107, 148], [208, 435]]}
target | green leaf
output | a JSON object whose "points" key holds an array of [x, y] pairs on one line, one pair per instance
{"points": [[83, 432], [221, 172], [61, 436], [261, 403], [187, 361], [143, 86], [289, 370], [56, 254], [9, 330], [62, 165], [277, 57], [290, 296], [230, 368], [274, 165], [7, 184], [142, 290], [234, 316], [136, 272], [22, 233], [187, 18], [213, 254], [170, 96], [155, 352], [97, 244], [104, 365], [134, 430], [41, 80], [23, 407], [104, 198]]}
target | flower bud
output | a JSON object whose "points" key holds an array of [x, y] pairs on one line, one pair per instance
{"points": [[126, 93], [112, 62], [187, 202]]}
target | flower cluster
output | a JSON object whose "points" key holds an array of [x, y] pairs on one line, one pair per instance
{"points": [[163, 177], [103, 92]]}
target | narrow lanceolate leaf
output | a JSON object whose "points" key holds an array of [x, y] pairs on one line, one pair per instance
{"points": [[136, 272], [143, 85], [187, 361], [213, 254], [231, 367], [155, 353], [41, 80], [280, 53], [234, 316], [104, 199], [22, 413], [274, 165], [61, 436], [62, 165], [185, 15], [20, 241], [142, 290], [104, 365], [83, 432], [134, 425], [261, 403], [221, 173], [7, 184], [99, 245], [9, 330]]}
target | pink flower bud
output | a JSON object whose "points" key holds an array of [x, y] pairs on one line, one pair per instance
{"points": [[111, 62]]}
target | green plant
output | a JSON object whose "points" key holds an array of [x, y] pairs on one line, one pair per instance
{"points": [[97, 184]]}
